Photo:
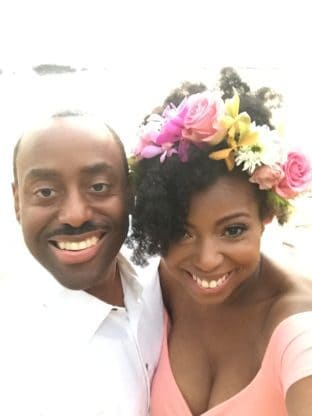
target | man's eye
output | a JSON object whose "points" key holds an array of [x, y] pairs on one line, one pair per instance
{"points": [[99, 187], [45, 192], [235, 230]]}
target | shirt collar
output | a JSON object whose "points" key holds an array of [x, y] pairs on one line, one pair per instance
{"points": [[81, 313]]}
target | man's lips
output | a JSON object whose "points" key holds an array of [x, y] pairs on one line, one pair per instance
{"points": [[76, 249], [70, 241], [77, 245]]}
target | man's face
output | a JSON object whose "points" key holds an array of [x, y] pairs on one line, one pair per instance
{"points": [[71, 199]]}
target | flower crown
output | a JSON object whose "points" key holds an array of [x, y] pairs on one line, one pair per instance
{"points": [[204, 118]]}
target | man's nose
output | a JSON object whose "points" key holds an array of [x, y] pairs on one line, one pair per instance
{"points": [[208, 255], [75, 209]]}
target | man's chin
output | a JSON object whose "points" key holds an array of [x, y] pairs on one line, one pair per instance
{"points": [[76, 278], [74, 283]]}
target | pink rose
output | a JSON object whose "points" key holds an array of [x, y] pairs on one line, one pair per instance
{"points": [[297, 175], [266, 177], [201, 122]]}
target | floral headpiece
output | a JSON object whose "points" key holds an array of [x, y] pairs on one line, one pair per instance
{"points": [[204, 118]]}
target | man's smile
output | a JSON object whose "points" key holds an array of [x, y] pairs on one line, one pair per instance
{"points": [[76, 249], [77, 245]]}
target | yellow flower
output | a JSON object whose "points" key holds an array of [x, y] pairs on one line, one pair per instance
{"points": [[239, 132]]}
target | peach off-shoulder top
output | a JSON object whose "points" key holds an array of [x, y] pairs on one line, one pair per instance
{"points": [[287, 359]]}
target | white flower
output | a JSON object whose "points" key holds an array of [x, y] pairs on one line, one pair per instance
{"points": [[249, 158], [273, 151], [267, 151]]}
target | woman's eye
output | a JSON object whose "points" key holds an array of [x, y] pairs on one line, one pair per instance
{"points": [[235, 230], [187, 236], [45, 192], [99, 187]]}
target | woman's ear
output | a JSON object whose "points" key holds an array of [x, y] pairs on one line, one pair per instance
{"points": [[130, 195], [268, 219]]}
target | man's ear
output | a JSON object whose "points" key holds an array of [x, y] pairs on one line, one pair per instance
{"points": [[16, 201]]}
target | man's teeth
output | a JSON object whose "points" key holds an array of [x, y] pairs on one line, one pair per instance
{"points": [[211, 284], [77, 245]]}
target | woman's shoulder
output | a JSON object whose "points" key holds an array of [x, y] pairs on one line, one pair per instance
{"points": [[294, 300]]}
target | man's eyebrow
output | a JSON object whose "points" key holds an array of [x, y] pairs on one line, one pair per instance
{"points": [[46, 173], [41, 173], [98, 168]]}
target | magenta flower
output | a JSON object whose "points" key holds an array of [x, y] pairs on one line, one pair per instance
{"points": [[172, 128], [147, 147]]}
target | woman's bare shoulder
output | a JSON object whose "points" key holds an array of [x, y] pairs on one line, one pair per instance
{"points": [[292, 294], [295, 298]]}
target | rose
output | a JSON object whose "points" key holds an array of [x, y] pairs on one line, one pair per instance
{"points": [[297, 175], [266, 177], [201, 122]]}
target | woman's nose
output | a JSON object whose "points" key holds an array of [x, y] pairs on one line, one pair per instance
{"points": [[208, 255]]}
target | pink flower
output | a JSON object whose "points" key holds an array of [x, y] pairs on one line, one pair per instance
{"points": [[201, 122], [149, 151], [167, 151], [266, 177], [297, 176], [147, 147], [172, 128]]}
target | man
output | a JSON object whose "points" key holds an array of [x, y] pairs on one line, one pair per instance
{"points": [[91, 345]]}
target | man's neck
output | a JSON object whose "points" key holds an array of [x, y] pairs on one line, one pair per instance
{"points": [[111, 291]]}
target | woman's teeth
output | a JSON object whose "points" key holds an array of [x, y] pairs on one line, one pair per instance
{"points": [[211, 284]]}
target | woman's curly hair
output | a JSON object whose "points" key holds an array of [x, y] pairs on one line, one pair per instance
{"points": [[163, 191]]}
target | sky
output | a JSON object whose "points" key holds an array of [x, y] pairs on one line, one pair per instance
{"points": [[160, 40], [148, 46], [153, 33]]}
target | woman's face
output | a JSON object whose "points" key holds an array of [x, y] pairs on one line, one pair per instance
{"points": [[221, 249]]}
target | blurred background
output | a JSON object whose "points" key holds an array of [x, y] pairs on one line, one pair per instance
{"points": [[120, 59]]}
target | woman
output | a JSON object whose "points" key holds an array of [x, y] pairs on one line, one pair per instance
{"points": [[238, 338]]}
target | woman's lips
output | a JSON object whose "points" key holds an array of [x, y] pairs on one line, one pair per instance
{"points": [[211, 285]]}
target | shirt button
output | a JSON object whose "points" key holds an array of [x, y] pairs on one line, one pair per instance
{"points": [[114, 309], [146, 366]]}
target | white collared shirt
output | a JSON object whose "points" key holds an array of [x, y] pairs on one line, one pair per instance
{"points": [[75, 355]]}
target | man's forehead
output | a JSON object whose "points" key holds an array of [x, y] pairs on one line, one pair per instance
{"points": [[59, 138], [66, 127]]}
